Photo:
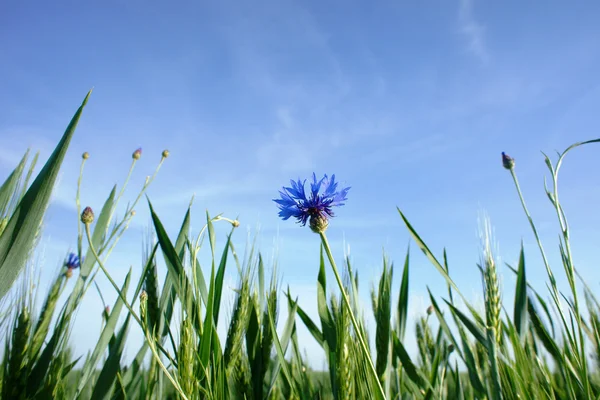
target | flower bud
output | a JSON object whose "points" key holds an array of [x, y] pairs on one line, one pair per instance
{"points": [[69, 273], [507, 161], [430, 310], [165, 153], [87, 216], [85, 155], [137, 154]]}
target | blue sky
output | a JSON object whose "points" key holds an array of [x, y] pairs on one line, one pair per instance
{"points": [[409, 104]]}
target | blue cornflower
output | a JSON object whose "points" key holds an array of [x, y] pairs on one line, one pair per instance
{"points": [[73, 262], [317, 207]]}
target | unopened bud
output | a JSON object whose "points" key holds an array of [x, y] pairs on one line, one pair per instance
{"points": [[507, 161], [235, 223], [69, 273], [87, 216], [85, 155], [165, 153], [137, 154], [132, 213], [429, 310], [450, 347]]}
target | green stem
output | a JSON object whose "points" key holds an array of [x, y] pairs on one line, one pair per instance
{"points": [[135, 316], [361, 340], [537, 238], [570, 273], [554, 292], [78, 204], [570, 269], [494, 370]]}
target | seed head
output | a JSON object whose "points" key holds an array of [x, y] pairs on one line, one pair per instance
{"points": [[235, 223], [143, 296], [137, 154], [132, 213], [430, 310], [87, 216], [85, 155], [507, 161], [165, 153]]}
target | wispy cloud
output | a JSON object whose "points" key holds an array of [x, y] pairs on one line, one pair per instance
{"points": [[473, 31]]}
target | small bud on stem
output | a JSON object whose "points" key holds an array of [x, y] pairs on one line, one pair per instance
{"points": [[87, 216]]}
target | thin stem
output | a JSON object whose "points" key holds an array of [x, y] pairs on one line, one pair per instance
{"points": [[135, 316], [537, 238], [363, 344], [554, 291], [570, 270], [132, 206], [112, 211], [78, 204], [551, 275]]}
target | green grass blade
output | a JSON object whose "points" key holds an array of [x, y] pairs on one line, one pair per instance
{"points": [[207, 331], [103, 341], [309, 323], [327, 322], [25, 183], [543, 334], [111, 367], [174, 265], [168, 295], [411, 369], [470, 325], [219, 279], [134, 368], [22, 229], [427, 252], [520, 313], [281, 348], [444, 324], [10, 187], [403, 299]]}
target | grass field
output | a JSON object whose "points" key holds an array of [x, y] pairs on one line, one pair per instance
{"points": [[546, 347]]}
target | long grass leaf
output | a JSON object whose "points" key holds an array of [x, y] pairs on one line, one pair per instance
{"points": [[20, 234], [520, 313], [105, 337]]}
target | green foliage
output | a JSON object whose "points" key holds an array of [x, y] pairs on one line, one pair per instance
{"points": [[541, 349]]}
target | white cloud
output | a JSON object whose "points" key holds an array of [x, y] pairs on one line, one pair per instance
{"points": [[473, 31]]}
